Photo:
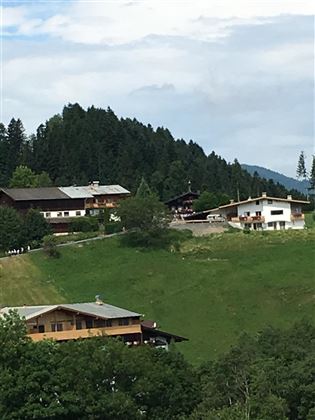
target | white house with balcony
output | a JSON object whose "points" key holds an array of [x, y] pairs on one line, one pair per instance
{"points": [[263, 213]]}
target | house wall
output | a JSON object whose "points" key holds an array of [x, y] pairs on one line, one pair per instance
{"points": [[5, 200], [68, 319], [63, 213], [273, 221]]}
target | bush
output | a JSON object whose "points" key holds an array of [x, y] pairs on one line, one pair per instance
{"points": [[155, 238], [50, 246], [113, 227], [84, 224], [35, 227], [11, 227]]}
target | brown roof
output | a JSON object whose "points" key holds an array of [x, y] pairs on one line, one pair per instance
{"points": [[152, 327], [195, 194], [29, 194]]}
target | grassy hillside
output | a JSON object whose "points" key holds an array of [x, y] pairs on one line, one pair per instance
{"points": [[215, 288]]}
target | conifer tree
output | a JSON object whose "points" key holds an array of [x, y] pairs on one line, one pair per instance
{"points": [[312, 174], [143, 190], [301, 168], [3, 154]]}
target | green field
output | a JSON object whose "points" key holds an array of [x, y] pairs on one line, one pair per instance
{"points": [[212, 290]]}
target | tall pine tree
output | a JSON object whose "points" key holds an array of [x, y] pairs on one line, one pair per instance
{"points": [[301, 167], [15, 144]]}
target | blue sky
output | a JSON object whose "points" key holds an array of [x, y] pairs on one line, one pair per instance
{"points": [[236, 76]]}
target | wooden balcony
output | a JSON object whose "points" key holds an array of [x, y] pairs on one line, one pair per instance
{"points": [[248, 219], [86, 333], [100, 205], [297, 216]]}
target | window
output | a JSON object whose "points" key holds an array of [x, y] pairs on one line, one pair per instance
{"points": [[270, 224], [123, 321], [269, 201], [78, 213], [247, 213], [282, 225], [258, 225], [66, 213], [257, 202], [47, 214], [258, 213], [275, 212], [108, 323], [89, 323], [59, 214], [78, 325], [248, 225], [41, 328], [56, 327], [99, 323]]}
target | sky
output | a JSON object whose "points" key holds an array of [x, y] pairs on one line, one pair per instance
{"points": [[235, 76]]}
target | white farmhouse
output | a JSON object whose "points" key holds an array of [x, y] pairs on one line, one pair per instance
{"points": [[263, 213]]}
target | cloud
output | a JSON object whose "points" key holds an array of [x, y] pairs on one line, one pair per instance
{"points": [[236, 80], [120, 22]]}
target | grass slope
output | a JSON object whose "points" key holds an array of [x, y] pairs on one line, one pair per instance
{"points": [[21, 283], [211, 291]]}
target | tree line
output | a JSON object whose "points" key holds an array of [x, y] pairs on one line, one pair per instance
{"points": [[266, 377], [80, 145]]}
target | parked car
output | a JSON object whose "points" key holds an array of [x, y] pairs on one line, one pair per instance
{"points": [[215, 218]]}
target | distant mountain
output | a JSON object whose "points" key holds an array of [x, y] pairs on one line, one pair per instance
{"points": [[289, 183]]}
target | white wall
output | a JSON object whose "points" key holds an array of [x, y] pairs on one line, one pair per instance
{"points": [[63, 213], [266, 208]]}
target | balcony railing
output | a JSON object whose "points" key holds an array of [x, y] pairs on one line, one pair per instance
{"points": [[248, 219], [86, 333], [100, 205]]}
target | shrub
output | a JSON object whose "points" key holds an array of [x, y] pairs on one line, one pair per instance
{"points": [[11, 226], [155, 238], [50, 246], [35, 227], [84, 224], [113, 227]]}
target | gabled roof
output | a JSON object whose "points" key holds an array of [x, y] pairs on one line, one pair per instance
{"points": [[27, 194], [262, 197], [89, 191], [151, 327], [76, 192], [103, 310], [195, 194]]}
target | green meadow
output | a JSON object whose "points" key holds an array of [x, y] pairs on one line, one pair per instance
{"points": [[210, 291]]}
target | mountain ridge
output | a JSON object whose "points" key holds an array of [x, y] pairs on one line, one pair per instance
{"points": [[288, 182]]}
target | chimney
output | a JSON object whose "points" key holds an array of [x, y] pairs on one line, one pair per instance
{"points": [[231, 201], [289, 197], [95, 184], [249, 198], [98, 300], [264, 194]]}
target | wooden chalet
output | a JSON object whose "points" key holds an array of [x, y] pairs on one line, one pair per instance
{"points": [[98, 196], [56, 206], [59, 205], [85, 320], [182, 205]]}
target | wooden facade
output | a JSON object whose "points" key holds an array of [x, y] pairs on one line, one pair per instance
{"points": [[81, 321], [182, 204], [59, 204]]}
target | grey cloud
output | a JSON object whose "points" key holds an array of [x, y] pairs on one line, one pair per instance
{"points": [[233, 105]]}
